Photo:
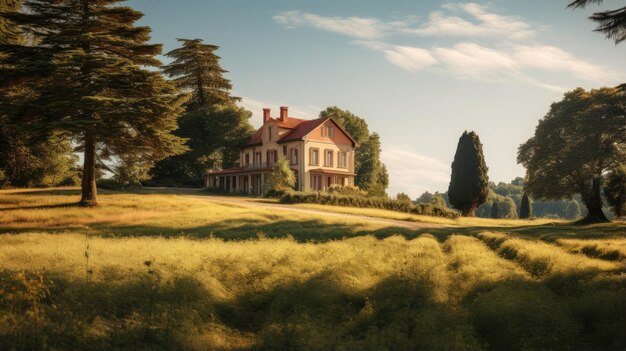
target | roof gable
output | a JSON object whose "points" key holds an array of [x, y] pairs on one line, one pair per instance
{"points": [[300, 128]]}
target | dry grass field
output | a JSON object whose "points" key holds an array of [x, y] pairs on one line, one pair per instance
{"points": [[166, 271]]}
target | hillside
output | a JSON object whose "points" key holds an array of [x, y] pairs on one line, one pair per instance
{"points": [[182, 271]]}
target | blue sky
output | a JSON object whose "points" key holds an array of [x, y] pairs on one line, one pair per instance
{"points": [[419, 72]]}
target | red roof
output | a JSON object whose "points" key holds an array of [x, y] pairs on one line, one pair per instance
{"points": [[299, 129]]}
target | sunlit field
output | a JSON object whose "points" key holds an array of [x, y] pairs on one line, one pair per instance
{"points": [[167, 271]]}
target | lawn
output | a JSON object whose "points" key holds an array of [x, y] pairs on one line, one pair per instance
{"points": [[168, 271]]}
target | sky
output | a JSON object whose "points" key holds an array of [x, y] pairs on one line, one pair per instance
{"points": [[419, 72]]}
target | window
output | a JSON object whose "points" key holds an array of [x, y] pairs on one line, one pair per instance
{"points": [[257, 159], [293, 157], [328, 132], [343, 159], [285, 151], [328, 158], [269, 133], [315, 157], [247, 159], [316, 182], [272, 155]]}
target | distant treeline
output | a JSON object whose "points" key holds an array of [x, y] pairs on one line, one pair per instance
{"points": [[508, 198]]}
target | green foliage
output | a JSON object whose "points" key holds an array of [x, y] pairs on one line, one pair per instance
{"points": [[215, 136], [403, 197], [371, 173], [507, 208], [469, 183], [91, 79], [615, 190], [572, 211], [282, 177], [526, 208], [196, 67], [367, 202], [494, 213], [346, 190], [132, 169], [612, 22], [579, 138]]}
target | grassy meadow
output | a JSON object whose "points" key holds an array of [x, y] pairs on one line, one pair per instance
{"points": [[168, 271]]}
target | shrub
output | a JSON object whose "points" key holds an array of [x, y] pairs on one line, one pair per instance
{"points": [[346, 190], [366, 202], [108, 184]]}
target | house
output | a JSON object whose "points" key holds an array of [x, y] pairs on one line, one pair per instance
{"points": [[320, 153]]}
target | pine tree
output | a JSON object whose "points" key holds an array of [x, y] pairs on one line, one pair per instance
{"points": [[612, 22], [469, 183], [494, 211], [196, 67], [96, 87], [525, 210]]}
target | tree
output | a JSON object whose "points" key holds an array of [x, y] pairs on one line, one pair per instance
{"points": [[526, 208], [439, 201], [425, 198], [371, 173], [282, 177], [98, 88], [507, 208], [494, 211], [215, 136], [196, 67], [469, 183], [574, 144], [615, 190], [215, 127], [403, 197], [132, 170], [612, 22]]}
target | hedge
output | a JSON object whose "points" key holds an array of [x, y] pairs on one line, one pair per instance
{"points": [[366, 202]]}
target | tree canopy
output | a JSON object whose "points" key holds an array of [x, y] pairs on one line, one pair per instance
{"points": [[196, 67], [282, 177], [96, 85], [371, 173], [580, 137], [469, 183]]}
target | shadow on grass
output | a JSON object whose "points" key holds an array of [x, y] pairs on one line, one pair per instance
{"points": [[574, 311], [41, 207]]}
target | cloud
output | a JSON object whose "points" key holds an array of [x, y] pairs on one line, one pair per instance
{"points": [[408, 58], [481, 23], [469, 60], [413, 173], [356, 27]]}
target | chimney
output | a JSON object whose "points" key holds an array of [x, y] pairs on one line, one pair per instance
{"points": [[284, 115], [266, 115]]}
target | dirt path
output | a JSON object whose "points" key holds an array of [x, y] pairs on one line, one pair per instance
{"points": [[256, 203]]}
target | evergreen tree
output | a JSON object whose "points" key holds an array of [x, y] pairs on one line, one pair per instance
{"points": [[612, 22], [214, 126], [469, 183], [371, 173], [526, 210], [507, 208], [579, 139], [615, 190], [495, 212], [97, 87], [196, 67]]}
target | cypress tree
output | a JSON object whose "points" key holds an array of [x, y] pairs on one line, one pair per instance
{"points": [[196, 67], [494, 211], [525, 210], [469, 183], [97, 88]]}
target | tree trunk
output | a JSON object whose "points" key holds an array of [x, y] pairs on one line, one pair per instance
{"points": [[89, 191], [468, 210], [593, 202]]}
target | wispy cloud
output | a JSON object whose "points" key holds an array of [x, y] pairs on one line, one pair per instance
{"points": [[477, 21], [469, 60], [409, 58], [413, 173], [355, 27]]}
